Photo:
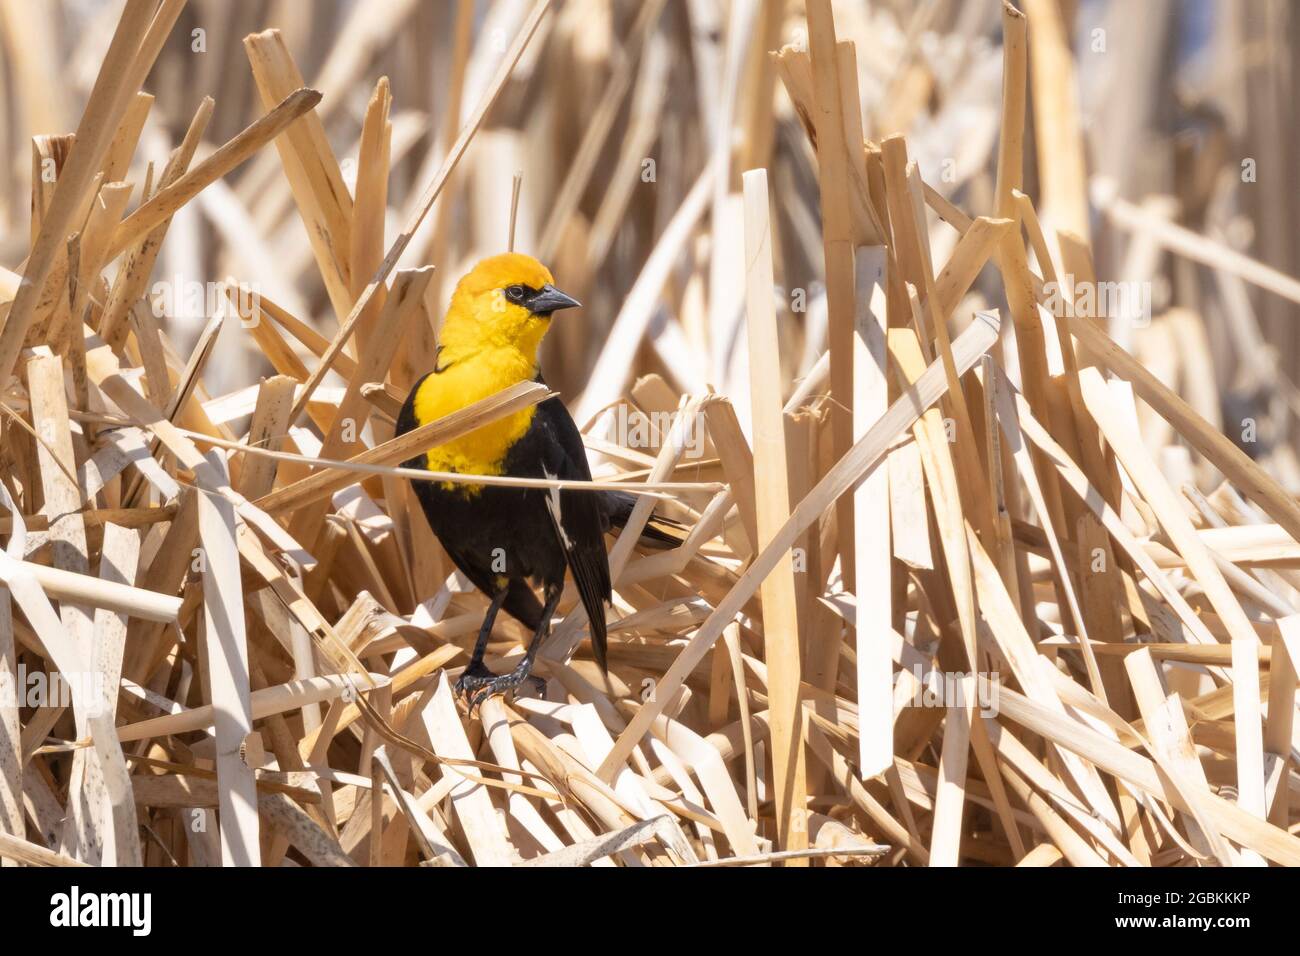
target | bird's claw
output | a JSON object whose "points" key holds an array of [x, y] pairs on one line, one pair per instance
{"points": [[477, 686], [472, 678]]}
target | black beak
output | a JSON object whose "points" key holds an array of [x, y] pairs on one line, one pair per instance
{"points": [[549, 299]]}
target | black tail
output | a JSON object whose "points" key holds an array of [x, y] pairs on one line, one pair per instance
{"points": [[658, 531]]}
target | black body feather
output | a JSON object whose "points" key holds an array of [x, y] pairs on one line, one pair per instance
{"points": [[524, 526]]}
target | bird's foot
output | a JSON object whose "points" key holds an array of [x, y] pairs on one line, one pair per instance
{"points": [[472, 678], [479, 685]]}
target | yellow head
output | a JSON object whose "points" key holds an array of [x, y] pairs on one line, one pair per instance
{"points": [[504, 302]]}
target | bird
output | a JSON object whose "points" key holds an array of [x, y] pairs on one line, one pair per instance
{"points": [[507, 540]]}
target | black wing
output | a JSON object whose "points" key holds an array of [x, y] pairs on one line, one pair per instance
{"points": [[577, 516]]}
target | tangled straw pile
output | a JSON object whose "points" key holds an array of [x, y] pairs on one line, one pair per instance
{"points": [[944, 599]]}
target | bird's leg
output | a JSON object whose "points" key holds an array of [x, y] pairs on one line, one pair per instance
{"points": [[477, 674], [522, 671]]}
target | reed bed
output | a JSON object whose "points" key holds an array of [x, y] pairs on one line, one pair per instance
{"points": [[975, 573]]}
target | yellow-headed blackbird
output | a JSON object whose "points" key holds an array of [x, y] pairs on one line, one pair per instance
{"points": [[503, 538]]}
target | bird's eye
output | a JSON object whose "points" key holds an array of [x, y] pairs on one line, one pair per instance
{"points": [[514, 292]]}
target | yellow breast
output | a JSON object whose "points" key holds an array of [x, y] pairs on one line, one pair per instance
{"points": [[463, 382]]}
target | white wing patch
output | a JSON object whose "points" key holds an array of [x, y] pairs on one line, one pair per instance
{"points": [[553, 506]]}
